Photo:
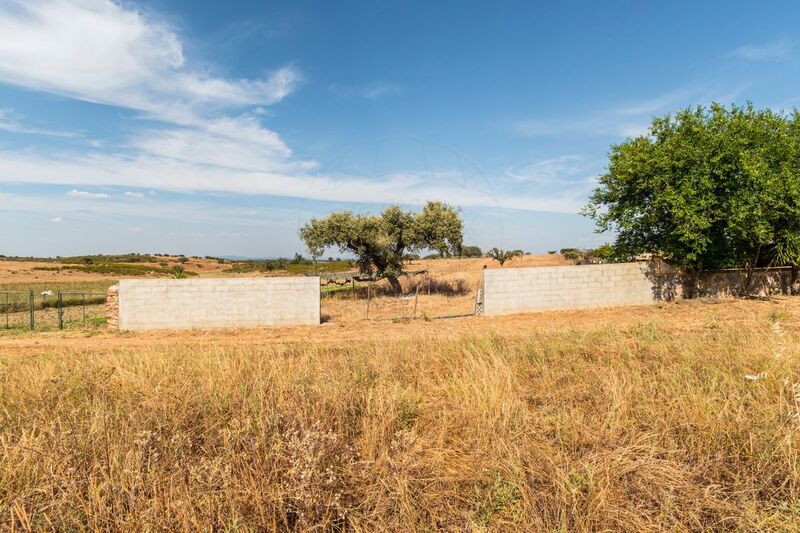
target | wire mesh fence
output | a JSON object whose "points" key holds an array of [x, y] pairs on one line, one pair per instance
{"points": [[49, 310], [421, 298], [17, 307]]}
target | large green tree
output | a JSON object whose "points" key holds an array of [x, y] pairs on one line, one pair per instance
{"points": [[706, 188], [380, 243]]}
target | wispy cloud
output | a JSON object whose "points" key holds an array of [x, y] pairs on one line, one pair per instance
{"points": [[145, 171], [56, 220], [562, 170], [663, 101], [613, 125], [134, 195], [75, 193], [12, 122], [779, 50], [370, 91], [136, 61], [181, 209], [200, 136], [630, 119]]}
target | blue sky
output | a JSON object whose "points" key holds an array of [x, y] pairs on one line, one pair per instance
{"points": [[219, 128]]}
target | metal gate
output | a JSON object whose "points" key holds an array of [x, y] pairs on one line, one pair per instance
{"points": [[49, 310]]}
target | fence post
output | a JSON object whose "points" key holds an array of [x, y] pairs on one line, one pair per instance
{"points": [[83, 305], [31, 303], [7, 310], [60, 306], [416, 297]]}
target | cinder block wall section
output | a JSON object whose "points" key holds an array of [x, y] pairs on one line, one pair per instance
{"points": [[215, 303], [517, 290]]}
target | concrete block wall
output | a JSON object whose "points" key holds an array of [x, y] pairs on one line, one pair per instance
{"points": [[765, 282], [217, 302], [517, 290]]}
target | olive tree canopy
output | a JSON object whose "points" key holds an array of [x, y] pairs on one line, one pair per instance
{"points": [[380, 242]]}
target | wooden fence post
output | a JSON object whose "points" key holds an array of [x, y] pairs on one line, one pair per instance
{"points": [[60, 311], [31, 303]]}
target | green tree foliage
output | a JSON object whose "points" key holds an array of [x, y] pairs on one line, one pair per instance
{"points": [[178, 272], [503, 256], [571, 254], [471, 251], [580, 255], [298, 259], [605, 253], [707, 188], [381, 242]]}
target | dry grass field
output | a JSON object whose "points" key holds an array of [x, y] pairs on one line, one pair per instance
{"points": [[13, 272], [679, 417]]}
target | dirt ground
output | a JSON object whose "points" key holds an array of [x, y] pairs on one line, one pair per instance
{"points": [[677, 318]]}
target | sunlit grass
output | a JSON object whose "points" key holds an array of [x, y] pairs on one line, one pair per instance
{"points": [[629, 428]]}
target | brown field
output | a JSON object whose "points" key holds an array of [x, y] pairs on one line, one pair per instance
{"points": [[24, 271], [673, 417]]}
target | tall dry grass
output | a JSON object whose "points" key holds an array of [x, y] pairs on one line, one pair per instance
{"points": [[616, 429]]}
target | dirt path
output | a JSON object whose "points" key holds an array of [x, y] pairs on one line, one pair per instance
{"points": [[684, 316]]}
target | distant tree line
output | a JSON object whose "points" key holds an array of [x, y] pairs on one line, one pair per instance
{"points": [[604, 253]]}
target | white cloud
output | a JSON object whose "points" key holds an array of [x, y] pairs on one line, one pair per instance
{"points": [[138, 62], [229, 142], [75, 193], [134, 195], [175, 210], [110, 53], [56, 220], [554, 170], [779, 50], [104, 52], [11, 122], [147, 171]]}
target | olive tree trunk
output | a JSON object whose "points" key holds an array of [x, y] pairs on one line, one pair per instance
{"points": [[395, 283]]}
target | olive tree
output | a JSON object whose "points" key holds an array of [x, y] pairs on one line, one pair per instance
{"points": [[707, 188], [503, 256], [382, 242]]}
